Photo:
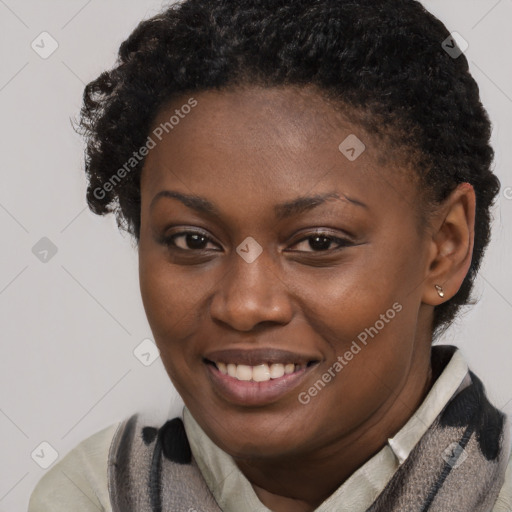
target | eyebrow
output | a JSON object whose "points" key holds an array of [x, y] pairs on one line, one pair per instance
{"points": [[282, 211]]}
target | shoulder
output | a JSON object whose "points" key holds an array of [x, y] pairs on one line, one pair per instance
{"points": [[129, 463], [504, 501], [79, 480]]}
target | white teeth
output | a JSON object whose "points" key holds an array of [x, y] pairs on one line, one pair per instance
{"points": [[232, 370], [289, 368], [276, 371], [259, 373], [243, 372]]}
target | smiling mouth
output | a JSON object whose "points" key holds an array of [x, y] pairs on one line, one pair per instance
{"points": [[260, 373]]}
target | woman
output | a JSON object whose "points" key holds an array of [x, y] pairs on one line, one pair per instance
{"points": [[309, 188]]}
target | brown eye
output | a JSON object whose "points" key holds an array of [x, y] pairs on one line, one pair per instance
{"points": [[322, 242], [188, 241]]}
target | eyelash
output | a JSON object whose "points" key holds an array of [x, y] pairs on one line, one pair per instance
{"points": [[342, 242]]}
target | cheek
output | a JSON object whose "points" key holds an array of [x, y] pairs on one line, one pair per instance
{"points": [[342, 302], [369, 365], [169, 306], [368, 317], [169, 296]]}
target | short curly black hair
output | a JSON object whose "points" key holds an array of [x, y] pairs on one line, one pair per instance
{"points": [[383, 60]]}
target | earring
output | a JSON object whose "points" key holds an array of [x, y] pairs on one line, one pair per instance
{"points": [[439, 290]]}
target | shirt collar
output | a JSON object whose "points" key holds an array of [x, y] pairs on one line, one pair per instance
{"points": [[454, 375]]}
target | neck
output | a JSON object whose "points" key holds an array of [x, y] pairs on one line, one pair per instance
{"points": [[302, 483]]}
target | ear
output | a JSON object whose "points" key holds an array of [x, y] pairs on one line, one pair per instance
{"points": [[451, 246]]}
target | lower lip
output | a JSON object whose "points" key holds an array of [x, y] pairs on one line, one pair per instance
{"points": [[253, 393]]}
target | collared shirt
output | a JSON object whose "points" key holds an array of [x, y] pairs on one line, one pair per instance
{"points": [[79, 481]]}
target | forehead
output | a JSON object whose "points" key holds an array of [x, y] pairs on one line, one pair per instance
{"points": [[265, 142]]}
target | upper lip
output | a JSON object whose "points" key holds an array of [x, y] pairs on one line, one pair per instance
{"points": [[254, 357]]}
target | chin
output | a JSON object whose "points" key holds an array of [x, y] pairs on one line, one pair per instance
{"points": [[261, 448], [256, 438]]}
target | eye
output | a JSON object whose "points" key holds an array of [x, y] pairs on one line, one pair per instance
{"points": [[188, 241], [321, 242]]}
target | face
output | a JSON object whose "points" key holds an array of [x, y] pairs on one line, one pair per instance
{"points": [[267, 253]]}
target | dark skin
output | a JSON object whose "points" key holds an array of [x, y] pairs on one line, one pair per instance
{"points": [[246, 151]]}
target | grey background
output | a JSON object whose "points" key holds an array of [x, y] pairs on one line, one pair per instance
{"points": [[70, 324]]}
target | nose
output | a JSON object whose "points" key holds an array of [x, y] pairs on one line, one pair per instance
{"points": [[250, 294]]}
